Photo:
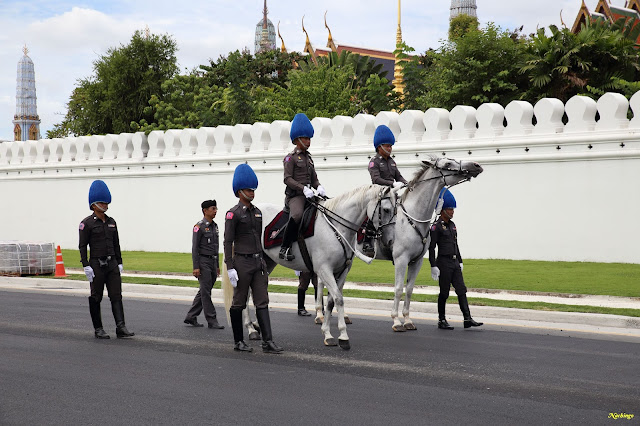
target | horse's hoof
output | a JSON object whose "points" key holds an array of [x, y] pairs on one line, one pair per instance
{"points": [[347, 320], [318, 321], [399, 328], [254, 336], [410, 326], [331, 342], [344, 344]]}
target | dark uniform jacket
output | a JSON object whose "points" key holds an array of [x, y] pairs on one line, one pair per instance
{"points": [[445, 236], [205, 241], [102, 237], [384, 171], [242, 232], [299, 172]]}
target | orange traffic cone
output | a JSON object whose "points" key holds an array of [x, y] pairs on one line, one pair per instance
{"points": [[60, 272]]}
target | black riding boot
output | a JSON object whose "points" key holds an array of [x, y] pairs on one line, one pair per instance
{"points": [[290, 235], [96, 318], [464, 307], [268, 345], [368, 248], [301, 310], [238, 334], [118, 315]]}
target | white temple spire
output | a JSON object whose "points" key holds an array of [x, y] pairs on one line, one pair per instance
{"points": [[26, 121], [463, 7]]}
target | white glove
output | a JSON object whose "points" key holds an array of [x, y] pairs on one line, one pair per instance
{"points": [[321, 191], [307, 192], [397, 185], [233, 277], [461, 267], [88, 271], [121, 268], [435, 273], [297, 273]]}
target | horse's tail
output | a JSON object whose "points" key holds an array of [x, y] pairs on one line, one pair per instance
{"points": [[227, 291]]}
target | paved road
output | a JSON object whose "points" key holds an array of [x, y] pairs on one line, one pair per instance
{"points": [[52, 371]]}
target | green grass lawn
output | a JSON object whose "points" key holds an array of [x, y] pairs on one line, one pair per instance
{"points": [[613, 279], [387, 295]]}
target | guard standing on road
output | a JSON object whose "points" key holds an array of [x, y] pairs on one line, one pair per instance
{"points": [[299, 176], [448, 266], [383, 171], [204, 254], [104, 266], [243, 256]]}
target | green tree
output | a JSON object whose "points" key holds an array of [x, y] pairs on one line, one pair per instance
{"points": [[599, 58], [323, 91], [118, 93], [481, 66], [462, 25]]}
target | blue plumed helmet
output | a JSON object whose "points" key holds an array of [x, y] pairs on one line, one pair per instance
{"points": [[383, 135], [244, 177], [301, 127], [99, 193], [449, 201]]}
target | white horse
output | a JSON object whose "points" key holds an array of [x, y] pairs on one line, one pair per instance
{"points": [[407, 241], [331, 247]]}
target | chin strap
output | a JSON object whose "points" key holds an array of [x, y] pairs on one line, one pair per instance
{"points": [[245, 196], [98, 207]]}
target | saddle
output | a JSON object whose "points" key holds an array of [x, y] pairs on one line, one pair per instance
{"points": [[274, 231]]}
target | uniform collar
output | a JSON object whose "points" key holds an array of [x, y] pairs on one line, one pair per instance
{"points": [[205, 221]]}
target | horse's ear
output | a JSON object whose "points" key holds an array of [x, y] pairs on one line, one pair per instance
{"points": [[431, 161]]}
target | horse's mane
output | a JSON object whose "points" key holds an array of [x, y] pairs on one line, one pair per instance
{"points": [[417, 175], [358, 194]]}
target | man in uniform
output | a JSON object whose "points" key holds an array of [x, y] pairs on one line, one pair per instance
{"points": [[383, 171], [243, 256], [204, 254], [104, 266], [299, 176], [448, 266]]}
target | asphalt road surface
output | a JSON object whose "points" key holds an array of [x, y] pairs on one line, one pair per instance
{"points": [[53, 372]]}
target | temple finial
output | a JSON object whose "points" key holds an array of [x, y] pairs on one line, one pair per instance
{"points": [[25, 50], [307, 46], [283, 48], [330, 42]]}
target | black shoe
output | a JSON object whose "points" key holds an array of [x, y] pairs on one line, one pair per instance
{"points": [[368, 250], [285, 253], [471, 323], [444, 325], [242, 347], [270, 347], [122, 332], [303, 313], [214, 324], [101, 334], [194, 322]]}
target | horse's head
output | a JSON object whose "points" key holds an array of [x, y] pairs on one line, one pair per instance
{"points": [[454, 171], [382, 212]]}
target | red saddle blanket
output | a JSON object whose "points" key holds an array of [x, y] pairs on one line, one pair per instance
{"points": [[274, 231]]}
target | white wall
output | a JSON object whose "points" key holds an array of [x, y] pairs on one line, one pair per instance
{"points": [[548, 192]]}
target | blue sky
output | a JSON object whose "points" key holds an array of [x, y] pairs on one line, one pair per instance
{"points": [[65, 37]]}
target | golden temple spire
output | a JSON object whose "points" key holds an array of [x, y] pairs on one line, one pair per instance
{"points": [[307, 46], [397, 70], [330, 42], [283, 48]]}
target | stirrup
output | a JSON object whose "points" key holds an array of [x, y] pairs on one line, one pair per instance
{"points": [[285, 253]]}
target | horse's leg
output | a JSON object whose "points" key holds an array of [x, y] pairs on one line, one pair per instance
{"points": [[249, 324], [400, 271], [343, 339], [319, 303], [412, 274], [327, 278]]}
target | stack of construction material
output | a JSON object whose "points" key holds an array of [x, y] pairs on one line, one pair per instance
{"points": [[27, 258]]}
